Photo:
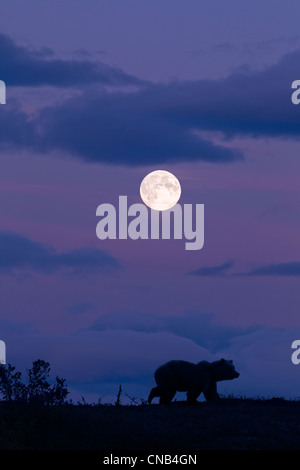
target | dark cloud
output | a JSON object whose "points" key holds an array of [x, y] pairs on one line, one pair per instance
{"points": [[246, 103], [212, 271], [18, 252], [197, 326], [21, 66], [126, 128], [158, 123], [279, 269], [16, 129]]}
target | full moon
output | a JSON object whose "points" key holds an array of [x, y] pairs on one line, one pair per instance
{"points": [[160, 190]]}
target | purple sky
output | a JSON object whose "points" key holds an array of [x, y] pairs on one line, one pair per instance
{"points": [[98, 95]]}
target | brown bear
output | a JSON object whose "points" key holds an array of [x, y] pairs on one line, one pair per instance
{"points": [[183, 376]]}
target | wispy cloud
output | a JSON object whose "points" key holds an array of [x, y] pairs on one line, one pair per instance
{"points": [[213, 271], [81, 308], [280, 269], [197, 326], [20, 253], [288, 269]]}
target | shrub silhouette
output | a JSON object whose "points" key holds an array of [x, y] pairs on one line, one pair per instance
{"points": [[36, 390]]}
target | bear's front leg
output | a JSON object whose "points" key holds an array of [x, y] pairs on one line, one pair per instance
{"points": [[155, 392], [211, 393]]}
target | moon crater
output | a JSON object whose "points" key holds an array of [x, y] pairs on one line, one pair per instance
{"points": [[160, 190]]}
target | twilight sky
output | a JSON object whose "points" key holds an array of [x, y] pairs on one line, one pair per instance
{"points": [[98, 95]]}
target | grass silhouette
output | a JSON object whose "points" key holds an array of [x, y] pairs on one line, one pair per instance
{"points": [[232, 423]]}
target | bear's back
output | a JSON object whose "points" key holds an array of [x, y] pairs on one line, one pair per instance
{"points": [[179, 375]]}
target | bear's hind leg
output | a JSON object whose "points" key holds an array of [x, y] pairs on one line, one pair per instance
{"points": [[192, 395], [166, 396]]}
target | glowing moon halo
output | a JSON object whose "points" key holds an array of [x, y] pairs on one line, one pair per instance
{"points": [[160, 190]]}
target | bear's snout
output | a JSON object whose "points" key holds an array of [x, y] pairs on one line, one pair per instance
{"points": [[237, 375]]}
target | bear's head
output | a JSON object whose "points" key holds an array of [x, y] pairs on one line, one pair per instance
{"points": [[224, 370]]}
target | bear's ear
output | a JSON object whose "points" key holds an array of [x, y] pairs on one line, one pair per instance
{"points": [[222, 360]]}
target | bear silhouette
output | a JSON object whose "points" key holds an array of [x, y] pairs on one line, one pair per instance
{"points": [[183, 376]]}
